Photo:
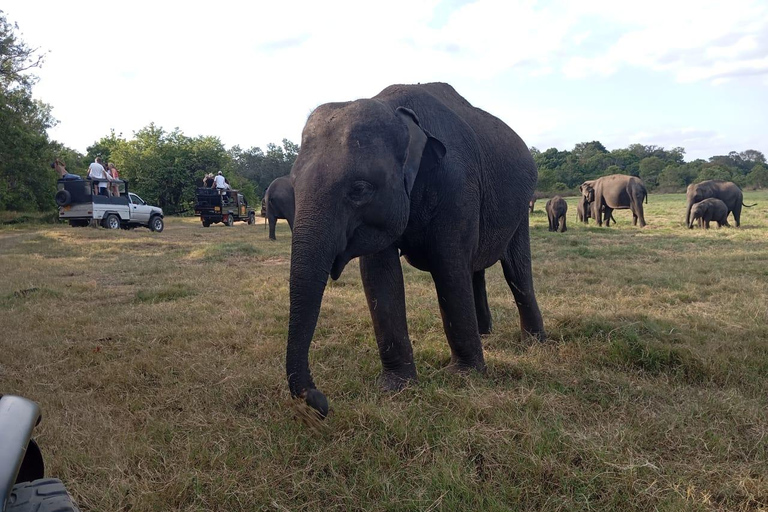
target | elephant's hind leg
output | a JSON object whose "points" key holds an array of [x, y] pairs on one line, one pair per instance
{"points": [[484, 322], [516, 263], [272, 222]]}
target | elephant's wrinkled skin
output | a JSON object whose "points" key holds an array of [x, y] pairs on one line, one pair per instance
{"points": [[556, 208], [709, 210], [726, 191], [615, 192], [382, 177], [279, 202]]}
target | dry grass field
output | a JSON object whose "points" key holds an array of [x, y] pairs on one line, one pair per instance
{"points": [[158, 360]]}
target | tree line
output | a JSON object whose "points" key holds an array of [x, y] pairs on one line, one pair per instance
{"points": [[165, 167], [660, 169]]}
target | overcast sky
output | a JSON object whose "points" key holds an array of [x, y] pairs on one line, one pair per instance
{"points": [[664, 72]]}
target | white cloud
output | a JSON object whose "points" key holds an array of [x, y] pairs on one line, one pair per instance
{"points": [[251, 72], [701, 41]]}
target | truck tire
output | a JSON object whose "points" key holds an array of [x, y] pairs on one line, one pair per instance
{"points": [[111, 221], [156, 224], [230, 220], [206, 223], [251, 218], [63, 198], [44, 495]]}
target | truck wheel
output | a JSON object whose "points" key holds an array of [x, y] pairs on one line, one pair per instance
{"points": [[46, 494], [230, 220], [251, 218], [206, 223], [156, 224], [63, 197], [112, 221]]}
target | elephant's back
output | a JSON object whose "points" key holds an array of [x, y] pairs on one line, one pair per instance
{"points": [[495, 159]]}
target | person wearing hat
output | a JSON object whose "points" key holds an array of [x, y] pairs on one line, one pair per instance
{"points": [[221, 184]]}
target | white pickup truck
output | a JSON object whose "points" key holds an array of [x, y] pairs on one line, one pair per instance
{"points": [[79, 202]]}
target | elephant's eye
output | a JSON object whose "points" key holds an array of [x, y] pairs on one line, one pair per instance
{"points": [[361, 192]]}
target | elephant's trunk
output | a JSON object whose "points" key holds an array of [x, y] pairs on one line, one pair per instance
{"points": [[312, 255]]}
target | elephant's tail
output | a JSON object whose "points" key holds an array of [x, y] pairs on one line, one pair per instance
{"points": [[748, 205]]}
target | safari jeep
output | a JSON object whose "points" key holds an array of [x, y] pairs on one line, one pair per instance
{"points": [[218, 206], [79, 205]]}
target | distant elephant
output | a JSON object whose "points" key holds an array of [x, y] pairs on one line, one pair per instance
{"points": [[726, 191], [582, 210], [530, 204], [279, 203], [615, 192], [556, 208], [584, 213], [379, 178], [708, 210]]}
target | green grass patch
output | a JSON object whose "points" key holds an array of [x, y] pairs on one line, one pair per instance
{"points": [[164, 294]]}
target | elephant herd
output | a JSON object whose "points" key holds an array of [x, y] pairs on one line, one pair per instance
{"points": [[708, 201], [380, 179]]}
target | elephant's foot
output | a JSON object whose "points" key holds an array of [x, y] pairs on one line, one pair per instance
{"points": [[537, 335], [317, 401], [466, 366], [396, 381]]}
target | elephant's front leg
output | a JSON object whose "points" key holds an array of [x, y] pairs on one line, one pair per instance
{"points": [[454, 293], [483, 312], [383, 282]]}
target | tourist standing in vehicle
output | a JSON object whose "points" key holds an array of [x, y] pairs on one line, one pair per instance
{"points": [[58, 165], [221, 184], [208, 180], [115, 175], [96, 172]]}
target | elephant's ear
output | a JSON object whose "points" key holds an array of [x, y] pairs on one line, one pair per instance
{"points": [[424, 151]]}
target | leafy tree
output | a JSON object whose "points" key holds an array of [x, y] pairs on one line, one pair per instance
{"points": [[714, 172], [650, 167], [758, 177], [25, 180], [260, 167]]}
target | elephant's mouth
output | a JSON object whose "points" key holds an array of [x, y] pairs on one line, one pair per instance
{"points": [[339, 263]]}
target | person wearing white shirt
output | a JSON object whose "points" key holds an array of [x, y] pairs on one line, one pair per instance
{"points": [[96, 172], [221, 184]]}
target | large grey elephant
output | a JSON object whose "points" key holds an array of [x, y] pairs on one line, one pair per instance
{"points": [[709, 210], [615, 192], [279, 203], [726, 191], [556, 209], [381, 177]]}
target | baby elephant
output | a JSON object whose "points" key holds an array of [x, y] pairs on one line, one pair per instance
{"points": [[556, 208], [710, 209]]}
